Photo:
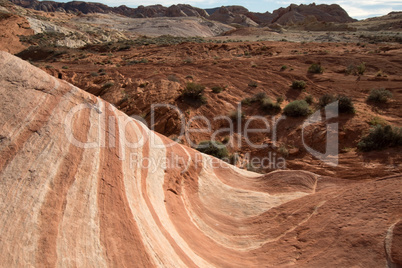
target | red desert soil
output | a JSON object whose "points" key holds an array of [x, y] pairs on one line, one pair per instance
{"points": [[133, 80], [107, 204], [10, 27]]}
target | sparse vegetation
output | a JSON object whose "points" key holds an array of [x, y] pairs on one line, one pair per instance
{"points": [[65, 67], [299, 84], [194, 93], [297, 108], [173, 78], [280, 99], [381, 137], [284, 67], [253, 84], [374, 121], [355, 70], [283, 151], [309, 99], [236, 115], [218, 89], [326, 99], [345, 105], [361, 68], [379, 95], [108, 85], [214, 148], [270, 107], [316, 68]]}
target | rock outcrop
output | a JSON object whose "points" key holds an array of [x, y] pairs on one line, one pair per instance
{"points": [[226, 14], [11, 27], [82, 184]]}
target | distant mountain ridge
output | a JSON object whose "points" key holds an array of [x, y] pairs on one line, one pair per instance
{"points": [[226, 14]]}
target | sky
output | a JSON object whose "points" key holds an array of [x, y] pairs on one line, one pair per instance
{"points": [[358, 9]]}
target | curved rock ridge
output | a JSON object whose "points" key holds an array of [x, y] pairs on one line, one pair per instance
{"points": [[82, 184]]}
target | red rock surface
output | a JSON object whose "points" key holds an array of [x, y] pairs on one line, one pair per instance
{"points": [[105, 205], [12, 26]]}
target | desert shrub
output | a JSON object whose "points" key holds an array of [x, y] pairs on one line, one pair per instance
{"points": [[283, 151], [345, 105], [379, 95], [247, 101], [270, 107], [361, 68], [107, 85], [280, 99], [194, 93], [309, 99], [260, 96], [236, 115], [297, 108], [137, 61], [94, 74], [374, 121], [214, 148], [253, 84], [217, 89], [173, 78], [316, 68], [381, 137], [65, 67], [351, 69], [284, 67], [299, 84], [326, 99]]}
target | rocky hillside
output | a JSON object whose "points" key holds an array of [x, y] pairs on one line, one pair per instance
{"points": [[82, 184], [225, 14]]}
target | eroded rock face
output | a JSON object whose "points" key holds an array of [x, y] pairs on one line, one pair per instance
{"points": [[11, 27], [82, 184]]}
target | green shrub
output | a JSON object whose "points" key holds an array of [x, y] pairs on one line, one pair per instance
{"points": [[280, 99], [65, 67], [108, 85], [247, 101], [94, 74], [214, 148], [316, 68], [381, 137], [260, 96], [284, 67], [236, 115], [299, 84], [270, 107], [351, 69], [217, 89], [253, 84], [326, 99], [374, 121], [194, 93], [345, 105], [379, 95], [309, 99], [297, 108], [173, 78], [361, 68]]}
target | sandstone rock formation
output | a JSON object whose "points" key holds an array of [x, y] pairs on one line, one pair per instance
{"points": [[227, 14], [12, 26], [82, 184]]}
